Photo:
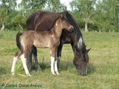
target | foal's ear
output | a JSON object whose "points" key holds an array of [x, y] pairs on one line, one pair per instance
{"points": [[61, 15], [88, 50]]}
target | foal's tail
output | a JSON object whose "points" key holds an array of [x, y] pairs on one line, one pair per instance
{"points": [[18, 40]]}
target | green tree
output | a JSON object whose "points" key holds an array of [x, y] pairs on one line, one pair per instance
{"points": [[85, 8], [12, 18], [32, 4], [6, 8], [117, 17], [107, 13], [55, 6]]}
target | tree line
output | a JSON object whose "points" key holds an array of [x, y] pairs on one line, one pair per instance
{"points": [[91, 15]]}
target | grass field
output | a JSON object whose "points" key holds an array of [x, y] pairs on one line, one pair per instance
{"points": [[103, 68]]}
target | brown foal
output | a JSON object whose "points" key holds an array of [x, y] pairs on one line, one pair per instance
{"points": [[45, 39]]}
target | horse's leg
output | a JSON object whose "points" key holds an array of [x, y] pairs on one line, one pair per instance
{"points": [[59, 53], [23, 58], [52, 55], [16, 56], [56, 62], [73, 47], [29, 59], [35, 57]]}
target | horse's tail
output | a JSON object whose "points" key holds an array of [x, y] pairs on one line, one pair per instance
{"points": [[18, 43]]}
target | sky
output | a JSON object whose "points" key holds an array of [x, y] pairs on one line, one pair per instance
{"points": [[65, 2]]}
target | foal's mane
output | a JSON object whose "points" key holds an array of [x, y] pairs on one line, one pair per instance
{"points": [[63, 17], [53, 23]]}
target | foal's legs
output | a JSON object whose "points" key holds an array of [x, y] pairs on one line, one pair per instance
{"points": [[23, 58], [29, 59], [56, 63], [33, 51], [35, 57], [53, 53], [52, 65], [16, 56], [56, 68]]}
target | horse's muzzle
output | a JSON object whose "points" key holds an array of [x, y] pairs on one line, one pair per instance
{"points": [[82, 72]]}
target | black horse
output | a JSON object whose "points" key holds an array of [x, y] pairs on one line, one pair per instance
{"points": [[40, 19]]}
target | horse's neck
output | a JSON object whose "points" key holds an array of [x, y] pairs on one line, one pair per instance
{"points": [[57, 31], [77, 39], [80, 42]]}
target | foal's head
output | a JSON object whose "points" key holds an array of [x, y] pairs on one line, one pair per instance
{"points": [[63, 24], [81, 59]]}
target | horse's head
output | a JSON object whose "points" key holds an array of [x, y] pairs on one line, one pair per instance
{"points": [[81, 58], [63, 23]]}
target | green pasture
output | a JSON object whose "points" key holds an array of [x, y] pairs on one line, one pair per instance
{"points": [[103, 67]]}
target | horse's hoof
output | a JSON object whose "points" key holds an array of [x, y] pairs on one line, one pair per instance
{"points": [[12, 73], [28, 75], [53, 73], [57, 73]]}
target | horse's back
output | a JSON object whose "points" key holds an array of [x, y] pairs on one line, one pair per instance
{"points": [[41, 20]]}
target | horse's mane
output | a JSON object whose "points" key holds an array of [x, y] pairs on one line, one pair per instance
{"points": [[72, 21]]}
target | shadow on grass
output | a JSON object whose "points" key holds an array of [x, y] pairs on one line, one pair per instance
{"points": [[43, 66], [64, 66], [3, 71], [91, 69]]}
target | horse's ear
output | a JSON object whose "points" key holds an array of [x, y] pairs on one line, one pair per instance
{"points": [[61, 15], [88, 50]]}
